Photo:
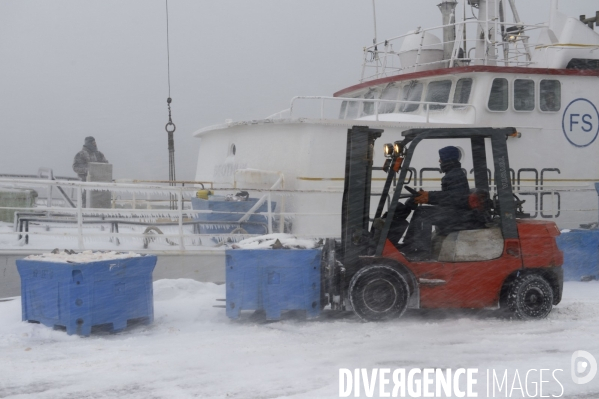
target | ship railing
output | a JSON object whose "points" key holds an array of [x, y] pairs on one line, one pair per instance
{"points": [[83, 216], [47, 173], [176, 228], [284, 114], [428, 107], [184, 229], [557, 202], [279, 183], [135, 200], [511, 40]]}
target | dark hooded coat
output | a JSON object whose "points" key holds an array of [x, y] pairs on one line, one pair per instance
{"points": [[454, 188], [84, 157], [452, 212]]}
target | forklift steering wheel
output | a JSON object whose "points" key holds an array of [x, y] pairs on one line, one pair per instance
{"points": [[411, 190], [413, 194], [519, 202]]}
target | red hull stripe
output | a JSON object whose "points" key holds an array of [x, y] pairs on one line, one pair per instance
{"points": [[478, 68]]}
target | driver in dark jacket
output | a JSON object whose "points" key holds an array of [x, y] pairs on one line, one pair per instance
{"points": [[451, 212]]}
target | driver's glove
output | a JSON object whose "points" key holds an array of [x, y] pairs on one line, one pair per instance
{"points": [[422, 197]]}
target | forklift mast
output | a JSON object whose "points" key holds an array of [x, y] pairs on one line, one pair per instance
{"points": [[356, 194]]}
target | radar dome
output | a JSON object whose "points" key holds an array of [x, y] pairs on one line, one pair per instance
{"points": [[430, 56]]}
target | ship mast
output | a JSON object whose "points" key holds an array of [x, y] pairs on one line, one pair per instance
{"points": [[518, 21], [447, 8], [486, 33], [374, 40]]}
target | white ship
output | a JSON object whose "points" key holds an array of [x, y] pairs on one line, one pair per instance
{"points": [[489, 70]]}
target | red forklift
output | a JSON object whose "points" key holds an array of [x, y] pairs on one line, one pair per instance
{"points": [[508, 263]]}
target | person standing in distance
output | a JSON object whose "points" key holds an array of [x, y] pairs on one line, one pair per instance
{"points": [[89, 153]]}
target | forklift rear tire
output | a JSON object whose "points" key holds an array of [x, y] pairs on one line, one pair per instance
{"points": [[378, 293], [530, 297]]}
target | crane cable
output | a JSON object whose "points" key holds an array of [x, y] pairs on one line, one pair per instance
{"points": [[168, 54], [170, 126]]}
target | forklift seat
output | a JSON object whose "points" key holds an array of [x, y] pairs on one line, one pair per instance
{"points": [[480, 200], [478, 217], [468, 245]]}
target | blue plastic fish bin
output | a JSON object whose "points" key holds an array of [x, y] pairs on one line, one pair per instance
{"points": [[273, 280], [231, 211], [81, 295], [581, 253]]}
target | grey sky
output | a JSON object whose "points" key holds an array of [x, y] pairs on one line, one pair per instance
{"points": [[74, 68]]}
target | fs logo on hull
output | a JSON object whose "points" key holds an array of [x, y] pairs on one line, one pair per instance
{"points": [[580, 122]]}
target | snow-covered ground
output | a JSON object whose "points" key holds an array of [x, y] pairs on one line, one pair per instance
{"points": [[193, 350]]}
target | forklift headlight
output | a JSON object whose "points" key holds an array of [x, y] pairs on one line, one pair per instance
{"points": [[397, 148], [388, 150]]}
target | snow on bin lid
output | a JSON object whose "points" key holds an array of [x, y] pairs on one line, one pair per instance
{"points": [[268, 241], [82, 257]]}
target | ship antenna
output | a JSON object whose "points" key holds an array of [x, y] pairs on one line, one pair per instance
{"points": [[170, 126], [374, 17], [375, 50]]}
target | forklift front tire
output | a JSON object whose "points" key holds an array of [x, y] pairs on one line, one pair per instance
{"points": [[530, 297], [378, 293]]}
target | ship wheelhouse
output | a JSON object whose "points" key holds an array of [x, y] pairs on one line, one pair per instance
{"points": [[466, 71], [462, 95]]}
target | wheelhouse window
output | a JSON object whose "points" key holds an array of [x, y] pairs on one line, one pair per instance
{"points": [[368, 108], [462, 92], [353, 106], [524, 95], [391, 92], [498, 99], [342, 109], [411, 92], [583, 64], [438, 92], [550, 95]]}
